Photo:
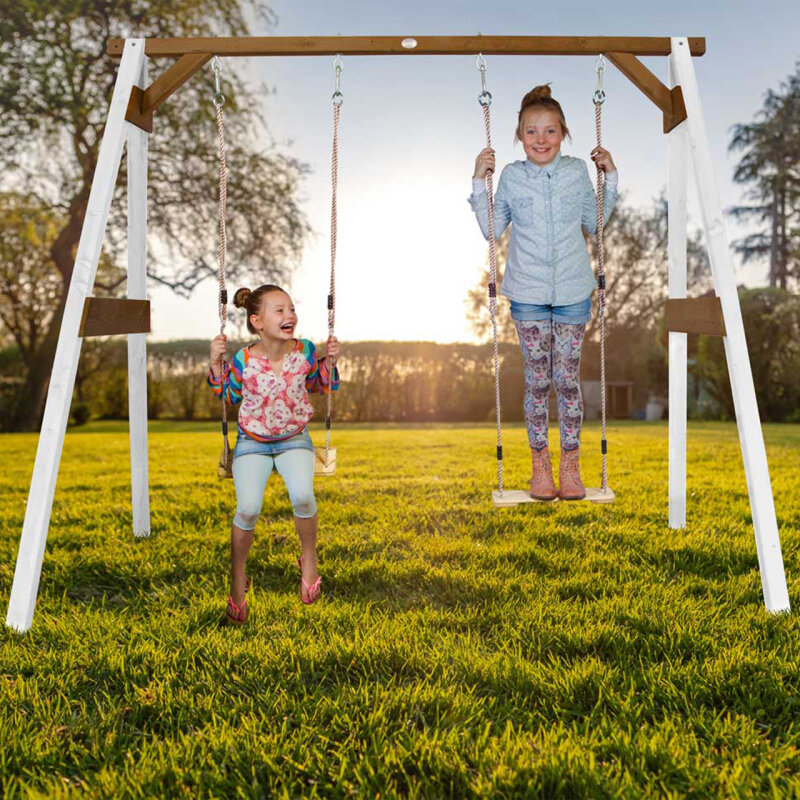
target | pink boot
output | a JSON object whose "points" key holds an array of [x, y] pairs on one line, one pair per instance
{"points": [[542, 486], [569, 476]]}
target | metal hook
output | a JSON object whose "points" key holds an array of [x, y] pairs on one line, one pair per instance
{"points": [[216, 65], [338, 65], [599, 95], [485, 97]]}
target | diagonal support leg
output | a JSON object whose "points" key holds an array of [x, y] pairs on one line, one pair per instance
{"points": [[762, 506], [62, 380]]}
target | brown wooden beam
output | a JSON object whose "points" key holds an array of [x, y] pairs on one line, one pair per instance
{"points": [[695, 315], [426, 45], [142, 104], [109, 316], [670, 101]]}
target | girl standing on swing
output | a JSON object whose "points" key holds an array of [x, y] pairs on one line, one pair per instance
{"points": [[549, 198]]}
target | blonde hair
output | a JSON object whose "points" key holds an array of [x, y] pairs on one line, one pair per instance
{"points": [[251, 300], [540, 97]]}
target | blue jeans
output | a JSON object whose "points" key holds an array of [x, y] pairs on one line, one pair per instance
{"points": [[253, 462], [574, 314]]}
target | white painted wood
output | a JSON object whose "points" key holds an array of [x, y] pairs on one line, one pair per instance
{"points": [[137, 342], [62, 380], [770, 559], [513, 497], [678, 176]]}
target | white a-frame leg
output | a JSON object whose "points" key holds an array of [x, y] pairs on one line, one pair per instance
{"points": [[762, 506], [51, 438], [137, 342]]}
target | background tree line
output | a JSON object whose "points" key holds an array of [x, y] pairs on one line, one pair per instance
{"points": [[43, 201]]}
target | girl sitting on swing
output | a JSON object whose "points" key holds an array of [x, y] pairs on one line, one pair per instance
{"points": [[271, 379]]}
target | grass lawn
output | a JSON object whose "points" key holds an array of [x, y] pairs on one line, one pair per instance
{"points": [[457, 650]]}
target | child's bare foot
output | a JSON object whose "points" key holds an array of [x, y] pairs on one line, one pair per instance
{"points": [[310, 581]]}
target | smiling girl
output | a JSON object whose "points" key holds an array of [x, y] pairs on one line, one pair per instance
{"points": [[550, 200], [272, 378]]}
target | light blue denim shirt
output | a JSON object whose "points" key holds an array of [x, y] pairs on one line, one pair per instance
{"points": [[548, 262]]}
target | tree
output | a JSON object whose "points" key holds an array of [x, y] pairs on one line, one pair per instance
{"points": [[771, 318], [55, 85], [770, 168]]}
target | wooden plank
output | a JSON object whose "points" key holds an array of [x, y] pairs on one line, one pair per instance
{"points": [[137, 342], [111, 316], [65, 364], [425, 45], [678, 156], [670, 101], [751, 437], [515, 497], [695, 315]]}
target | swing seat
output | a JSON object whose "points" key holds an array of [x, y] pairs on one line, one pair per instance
{"points": [[222, 470], [320, 467], [514, 497]]}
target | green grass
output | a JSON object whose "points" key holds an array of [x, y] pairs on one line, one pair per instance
{"points": [[457, 651]]}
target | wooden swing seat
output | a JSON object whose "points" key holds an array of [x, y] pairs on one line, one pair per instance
{"points": [[320, 467], [514, 497]]}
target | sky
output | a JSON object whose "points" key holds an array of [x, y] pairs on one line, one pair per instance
{"points": [[409, 247]]}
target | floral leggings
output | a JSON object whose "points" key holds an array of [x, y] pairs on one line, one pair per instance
{"points": [[552, 352]]}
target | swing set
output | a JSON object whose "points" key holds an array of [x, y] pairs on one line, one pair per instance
{"points": [[129, 122]]}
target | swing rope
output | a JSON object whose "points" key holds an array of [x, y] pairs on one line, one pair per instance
{"points": [[337, 99], [599, 99], [219, 104], [485, 100]]}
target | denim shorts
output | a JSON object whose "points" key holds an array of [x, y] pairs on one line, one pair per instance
{"points": [[246, 445], [575, 313]]}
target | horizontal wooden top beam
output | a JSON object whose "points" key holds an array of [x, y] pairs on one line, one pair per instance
{"points": [[232, 46]]}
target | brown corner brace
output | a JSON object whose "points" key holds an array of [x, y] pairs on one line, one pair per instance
{"points": [[109, 316], [695, 315], [670, 101], [143, 102]]}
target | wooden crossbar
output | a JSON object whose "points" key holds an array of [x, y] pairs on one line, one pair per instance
{"points": [[193, 53], [695, 315], [110, 316], [425, 45]]}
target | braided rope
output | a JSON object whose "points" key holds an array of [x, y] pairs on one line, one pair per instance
{"points": [[493, 300], [223, 255], [601, 287], [332, 290]]}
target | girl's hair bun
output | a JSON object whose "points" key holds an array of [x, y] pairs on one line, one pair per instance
{"points": [[537, 94], [241, 297]]}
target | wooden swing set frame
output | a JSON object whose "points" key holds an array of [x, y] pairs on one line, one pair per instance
{"points": [[130, 120]]}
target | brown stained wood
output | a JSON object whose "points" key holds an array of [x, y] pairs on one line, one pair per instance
{"points": [[110, 316], [670, 101], [143, 103], [134, 113], [695, 315], [426, 45]]}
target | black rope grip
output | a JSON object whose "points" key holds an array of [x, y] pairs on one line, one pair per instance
{"points": [[601, 282], [223, 296], [225, 428], [603, 446], [499, 453], [327, 423], [330, 302], [492, 289]]}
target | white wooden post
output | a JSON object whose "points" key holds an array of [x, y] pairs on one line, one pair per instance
{"points": [[770, 560], [62, 380], [676, 198], [137, 342]]}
